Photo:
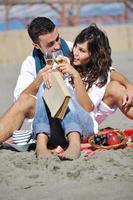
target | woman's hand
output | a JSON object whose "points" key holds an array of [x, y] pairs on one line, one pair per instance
{"points": [[67, 68]]}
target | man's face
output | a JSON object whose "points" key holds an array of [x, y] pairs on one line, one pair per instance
{"points": [[48, 42]]}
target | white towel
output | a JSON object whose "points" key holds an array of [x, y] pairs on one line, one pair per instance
{"points": [[22, 137]]}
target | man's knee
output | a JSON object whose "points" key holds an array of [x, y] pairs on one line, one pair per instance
{"points": [[27, 104]]}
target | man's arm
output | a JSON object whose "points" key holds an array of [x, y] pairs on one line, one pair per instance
{"points": [[42, 76], [28, 82], [26, 77], [128, 97]]}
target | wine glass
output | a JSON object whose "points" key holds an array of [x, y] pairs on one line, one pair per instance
{"points": [[58, 57], [48, 56]]}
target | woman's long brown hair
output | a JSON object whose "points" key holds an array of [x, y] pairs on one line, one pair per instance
{"points": [[100, 60]]}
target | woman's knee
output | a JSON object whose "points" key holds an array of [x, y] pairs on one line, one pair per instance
{"points": [[115, 89], [113, 94]]}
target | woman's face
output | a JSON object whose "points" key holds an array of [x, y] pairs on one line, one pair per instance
{"points": [[81, 54]]}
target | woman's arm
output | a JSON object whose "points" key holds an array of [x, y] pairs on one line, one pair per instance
{"points": [[81, 94], [116, 76], [80, 91]]}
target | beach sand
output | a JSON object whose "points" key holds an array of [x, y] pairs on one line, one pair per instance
{"points": [[105, 175]]}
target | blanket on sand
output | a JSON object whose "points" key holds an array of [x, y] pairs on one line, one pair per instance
{"points": [[21, 141]]}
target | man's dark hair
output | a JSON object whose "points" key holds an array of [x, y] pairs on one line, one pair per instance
{"points": [[40, 26]]}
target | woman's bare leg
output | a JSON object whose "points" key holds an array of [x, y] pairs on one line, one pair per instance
{"points": [[114, 96]]}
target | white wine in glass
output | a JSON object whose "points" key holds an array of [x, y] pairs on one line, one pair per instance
{"points": [[58, 57], [60, 60], [49, 58]]}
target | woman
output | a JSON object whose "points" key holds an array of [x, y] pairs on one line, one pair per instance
{"points": [[89, 73]]}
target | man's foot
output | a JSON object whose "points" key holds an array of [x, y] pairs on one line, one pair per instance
{"points": [[43, 153], [73, 150], [71, 153], [41, 148]]}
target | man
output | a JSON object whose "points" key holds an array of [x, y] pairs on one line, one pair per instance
{"points": [[45, 37]]}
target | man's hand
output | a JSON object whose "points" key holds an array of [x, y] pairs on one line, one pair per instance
{"points": [[45, 74]]}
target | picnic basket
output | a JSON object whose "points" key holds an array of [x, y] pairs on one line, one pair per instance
{"points": [[122, 144]]}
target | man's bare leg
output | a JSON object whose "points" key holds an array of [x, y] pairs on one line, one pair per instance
{"points": [[41, 147], [22, 108], [114, 97], [73, 150], [13, 118]]}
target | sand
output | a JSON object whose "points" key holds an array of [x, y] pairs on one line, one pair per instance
{"points": [[105, 175]]}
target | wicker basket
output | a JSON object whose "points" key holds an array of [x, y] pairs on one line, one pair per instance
{"points": [[108, 147]]}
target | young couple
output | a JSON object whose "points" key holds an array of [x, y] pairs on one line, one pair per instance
{"points": [[93, 87]]}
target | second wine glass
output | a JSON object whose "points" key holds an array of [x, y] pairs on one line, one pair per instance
{"points": [[48, 56], [58, 57]]}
